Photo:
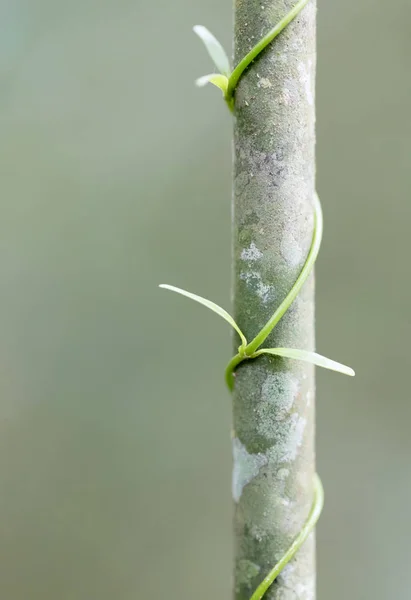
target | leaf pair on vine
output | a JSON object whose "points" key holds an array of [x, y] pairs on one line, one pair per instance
{"points": [[293, 353], [227, 80], [219, 58]]}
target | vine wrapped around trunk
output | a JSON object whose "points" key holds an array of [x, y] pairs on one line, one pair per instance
{"points": [[277, 223]]}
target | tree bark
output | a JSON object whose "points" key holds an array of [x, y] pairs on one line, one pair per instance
{"points": [[273, 400]]}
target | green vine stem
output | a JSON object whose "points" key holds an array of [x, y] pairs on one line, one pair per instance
{"points": [[251, 349], [307, 528], [227, 82], [258, 48]]}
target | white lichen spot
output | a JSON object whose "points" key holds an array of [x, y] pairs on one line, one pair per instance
{"points": [[287, 435], [286, 97], [287, 571], [246, 467], [282, 474], [285, 578], [309, 397], [295, 438], [265, 292], [252, 253], [305, 591], [255, 282], [257, 533], [275, 423], [279, 392], [291, 250], [305, 78], [265, 83]]}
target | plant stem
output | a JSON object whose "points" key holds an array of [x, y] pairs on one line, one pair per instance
{"points": [[255, 51], [273, 400]]}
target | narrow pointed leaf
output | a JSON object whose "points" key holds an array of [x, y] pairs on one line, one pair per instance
{"points": [[214, 307], [216, 79], [214, 48], [311, 357]]}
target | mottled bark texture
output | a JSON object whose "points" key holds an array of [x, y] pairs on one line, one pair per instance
{"points": [[274, 172]]}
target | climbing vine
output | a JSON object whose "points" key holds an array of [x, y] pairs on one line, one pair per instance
{"points": [[227, 80]]}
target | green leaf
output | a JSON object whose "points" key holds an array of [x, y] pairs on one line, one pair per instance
{"points": [[214, 307], [216, 79], [214, 48], [311, 357]]}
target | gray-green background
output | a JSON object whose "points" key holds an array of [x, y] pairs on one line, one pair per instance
{"points": [[115, 451]]}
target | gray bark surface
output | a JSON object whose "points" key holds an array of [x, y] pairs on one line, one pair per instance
{"points": [[273, 400]]}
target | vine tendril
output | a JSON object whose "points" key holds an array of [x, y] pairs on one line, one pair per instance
{"points": [[235, 76], [250, 351], [307, 528], [227, 83]]}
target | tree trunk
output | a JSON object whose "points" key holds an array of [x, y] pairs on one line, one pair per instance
{"points": [[273, 400]]}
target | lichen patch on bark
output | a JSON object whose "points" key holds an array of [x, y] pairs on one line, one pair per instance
{"points": [[245, 467]]}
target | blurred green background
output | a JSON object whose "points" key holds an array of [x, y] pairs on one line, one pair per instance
{"points": [[115, 454]]}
